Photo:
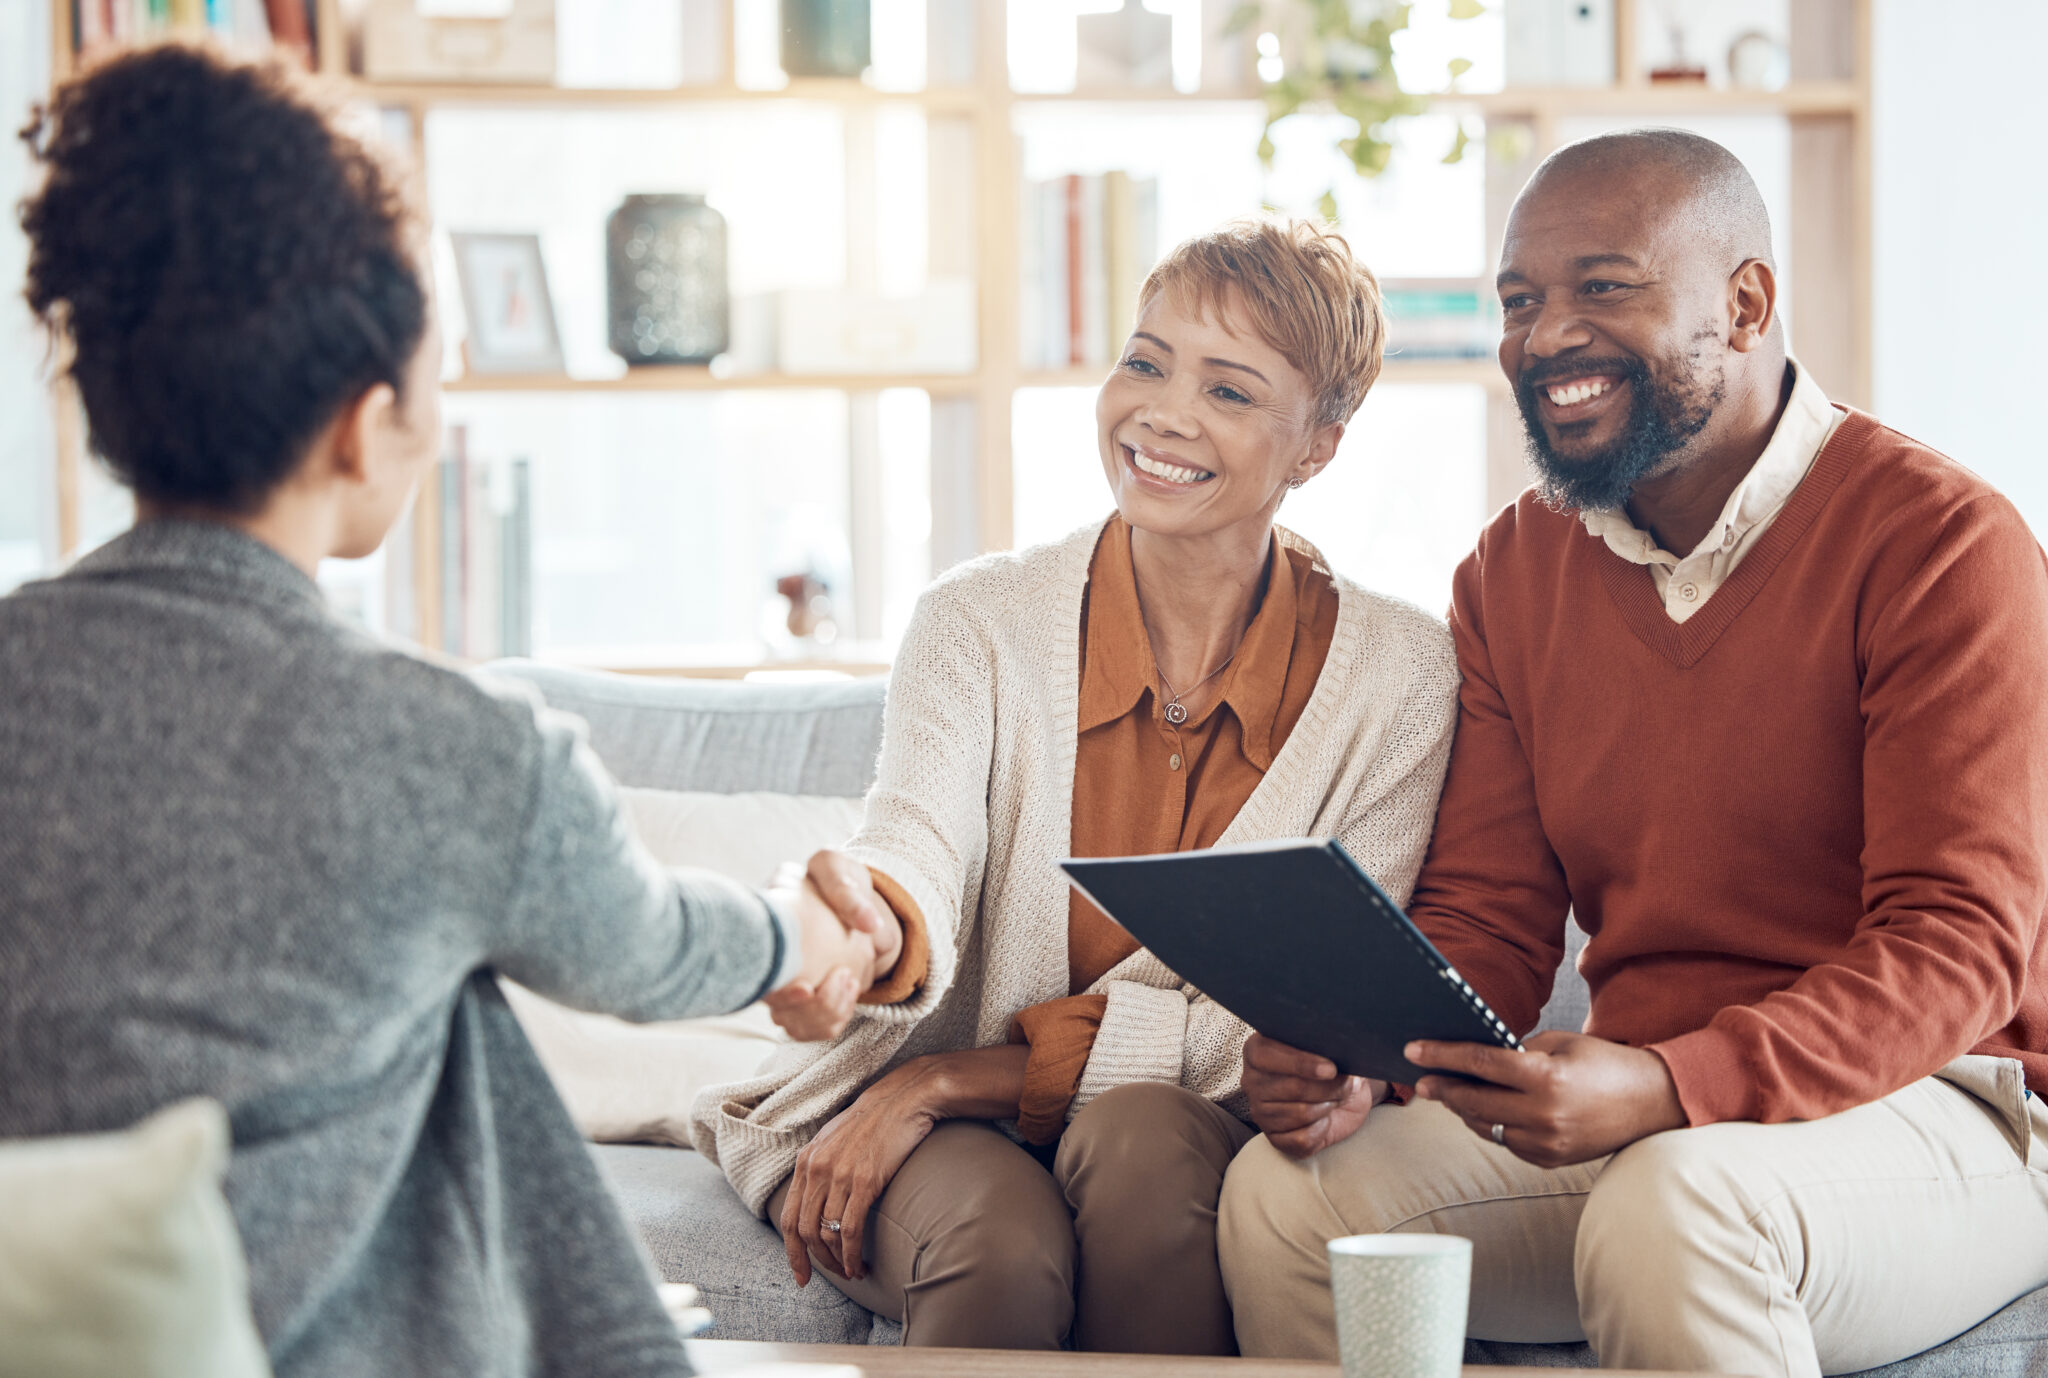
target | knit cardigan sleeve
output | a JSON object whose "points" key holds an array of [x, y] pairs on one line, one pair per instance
{"points": [[926, 822], [926, 829], [1158, 1028]]}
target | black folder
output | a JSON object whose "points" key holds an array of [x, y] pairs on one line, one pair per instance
{"points": [[1295, 939]]}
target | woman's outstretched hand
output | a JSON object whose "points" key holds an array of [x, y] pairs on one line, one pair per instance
{"points": [[842, 1171], [850, 938]]}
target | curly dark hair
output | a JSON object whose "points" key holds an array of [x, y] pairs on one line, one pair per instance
{"points": [[228, 266]]}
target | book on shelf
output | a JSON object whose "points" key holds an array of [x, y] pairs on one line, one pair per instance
{"points": [[1439, 318], [249, 26], [1087, 244], [459, 572]]}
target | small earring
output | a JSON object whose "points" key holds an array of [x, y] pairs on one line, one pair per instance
{"points": [[1296, 482]]}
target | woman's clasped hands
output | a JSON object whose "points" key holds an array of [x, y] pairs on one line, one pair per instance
{"points": [[850, 940]]}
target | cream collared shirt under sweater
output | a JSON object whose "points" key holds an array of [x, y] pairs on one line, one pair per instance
{"points": [[971, 810], [1686, 584]]}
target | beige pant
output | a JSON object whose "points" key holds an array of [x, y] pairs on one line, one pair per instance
{"points": [[975, 1243], [1825, 1246]]}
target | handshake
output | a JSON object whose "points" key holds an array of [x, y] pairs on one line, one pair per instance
{"points": [[850, 938]]}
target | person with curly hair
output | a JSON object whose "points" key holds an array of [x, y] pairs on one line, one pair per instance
{"points": [[256, 855]]}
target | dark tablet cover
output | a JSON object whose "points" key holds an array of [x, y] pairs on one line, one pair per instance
{"points": [[1295, 939]]}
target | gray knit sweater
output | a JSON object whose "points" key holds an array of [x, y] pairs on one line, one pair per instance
{"points": [[249, 853]]}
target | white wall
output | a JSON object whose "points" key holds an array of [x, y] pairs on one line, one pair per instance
{"points": [[1961, 235]]}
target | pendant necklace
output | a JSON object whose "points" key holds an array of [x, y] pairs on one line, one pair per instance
{"points": [[1176, 712]]}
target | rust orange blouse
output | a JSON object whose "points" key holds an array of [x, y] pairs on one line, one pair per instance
{"points": [[1143, 786]]}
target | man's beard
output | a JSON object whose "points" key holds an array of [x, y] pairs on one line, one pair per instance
{"points": [[1660, 422]]}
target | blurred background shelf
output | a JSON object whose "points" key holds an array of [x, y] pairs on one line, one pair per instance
{"points": [[1640, 98], [689, 378], [1664, 98], [657, 510], [834, 91], [1484, 372]]}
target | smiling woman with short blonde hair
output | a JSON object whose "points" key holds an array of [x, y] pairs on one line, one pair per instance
{"points": [[1293, 285], [1181, 674]]}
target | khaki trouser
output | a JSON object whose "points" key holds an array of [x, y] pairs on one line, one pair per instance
{"points": [[976, 1243], [1787, 1249]]}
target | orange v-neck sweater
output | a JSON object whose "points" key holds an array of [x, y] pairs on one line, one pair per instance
{"points": [[1805, 829]]}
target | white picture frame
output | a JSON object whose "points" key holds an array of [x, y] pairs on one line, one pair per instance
{"points": [[505, 299]]}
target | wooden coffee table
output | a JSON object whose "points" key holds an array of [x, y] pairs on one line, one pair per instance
{"points": [[735, 1357]]}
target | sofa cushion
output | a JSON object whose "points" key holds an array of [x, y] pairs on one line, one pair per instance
{"points": [[699, 1231], [720, 737], [747, 836], [119, 1254], [1569, 999], [2012, 1344]]}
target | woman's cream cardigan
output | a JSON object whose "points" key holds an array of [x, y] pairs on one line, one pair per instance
{"points": [[970, 814]]}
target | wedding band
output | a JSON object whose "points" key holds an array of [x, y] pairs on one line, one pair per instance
{"points": [[832, 1225], [1500, 1135]]}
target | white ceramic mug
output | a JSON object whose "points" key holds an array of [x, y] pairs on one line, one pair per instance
{"points": [[1401, 1302]]}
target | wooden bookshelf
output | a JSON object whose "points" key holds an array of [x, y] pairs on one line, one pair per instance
{"points": [[965, 101], [1679, 98], [1827, 104], [685, 378], [1483, 372]]}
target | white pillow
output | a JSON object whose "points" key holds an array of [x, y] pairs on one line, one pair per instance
{"points": [[119, 1256], [745, 836], [633, 1083]]}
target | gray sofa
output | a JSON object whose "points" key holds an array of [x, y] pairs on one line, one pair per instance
{"points": [[822, 739]]}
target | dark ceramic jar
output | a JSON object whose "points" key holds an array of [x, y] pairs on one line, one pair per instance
{"points": [[665, 278], [825, 38]]}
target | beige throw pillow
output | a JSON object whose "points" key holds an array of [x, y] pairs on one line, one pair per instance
{"points": [[633, 1083], [119, 1257]]}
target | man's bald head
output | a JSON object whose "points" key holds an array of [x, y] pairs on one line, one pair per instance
{"points": [[1638, 296], [1703, 188]]}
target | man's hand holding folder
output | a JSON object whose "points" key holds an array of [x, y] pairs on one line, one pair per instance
{"points": [[1567, 1098], [1300, 1101]]}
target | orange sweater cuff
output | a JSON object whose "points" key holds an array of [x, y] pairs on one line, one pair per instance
{"points": [[914, 963], [1062, 1035], [1713, 1078]]}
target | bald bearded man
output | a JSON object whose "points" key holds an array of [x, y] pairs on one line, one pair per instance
{"points": [[1754, 686]]}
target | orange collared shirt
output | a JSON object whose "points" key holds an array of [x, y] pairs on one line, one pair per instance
{"points": [[1143, 786]]}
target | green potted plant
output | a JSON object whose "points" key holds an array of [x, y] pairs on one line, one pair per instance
{"points": [[1340, 57]]}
